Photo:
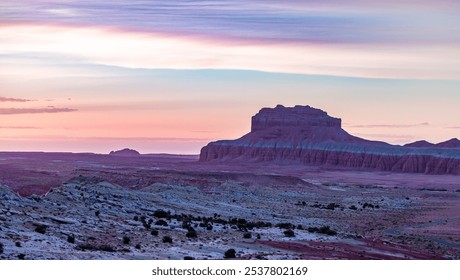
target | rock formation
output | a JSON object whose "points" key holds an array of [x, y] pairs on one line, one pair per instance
{"points": [[125, 153], [306, 135]]}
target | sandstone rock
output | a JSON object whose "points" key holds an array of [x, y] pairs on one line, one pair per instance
{"points": [[305, 135]]}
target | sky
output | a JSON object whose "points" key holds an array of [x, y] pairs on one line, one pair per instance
{"points": [[171, 76]]}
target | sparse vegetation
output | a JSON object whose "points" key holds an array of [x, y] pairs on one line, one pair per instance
{"points": [[126, 240], [17, 243], [191, 234], [138, 246], [1, 248], [71, 239], [247, 235], [154, 232], [21, 257], [167, 239], [91, 247], [188, 258], [353, 207], [162, 223], [230, 254], [289, 233], [161, 214], [41, 229]]}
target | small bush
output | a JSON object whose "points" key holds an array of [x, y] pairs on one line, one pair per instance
{"points": [[97, 213], [191, 234], [353, 207], [17, 243], [161, 214], [71, 239], [162, 223], [154, 232], [247, 235], [209, 227], [126, 240], [21, 257], [285, 225], [230, 254], [188, 258], [41, 229], [1, 248], [289, 233], [138, 246], [167, 239]]}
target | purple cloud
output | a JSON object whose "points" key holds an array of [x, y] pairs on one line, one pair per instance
{"points": [[9, 99], [17, 111]]}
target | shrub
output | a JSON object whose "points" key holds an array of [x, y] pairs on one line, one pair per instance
{"points": [[327, 230], [188, 258], [191, 234], [17, 243], [161, 223], [353, 207], [126, 240], [21, 256], [209, 227], [41, 229], [167, 239], [285, 225], [1, 248], [247, 235], [138, 246], [71, 239], [97, 213], [161, 214], [154, 232], [230, 254], [289, 233]]}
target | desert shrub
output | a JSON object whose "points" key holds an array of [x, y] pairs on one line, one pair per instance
{"points": [[285, 225], [17, 243], [154, 232], [167, 239], [332, 206], [313, 229], [191, 234], [71, 239], [247, 235], [289, 233], [136, 218], [1, 248], [126, 240], [21, 256], [138, 246], [41, 229], [327, 230], [209, 227], [91, 247], [353, 207], [230, 254], [161, 214], [162, 223], [97, 213], [188, 258], [258, 236]]}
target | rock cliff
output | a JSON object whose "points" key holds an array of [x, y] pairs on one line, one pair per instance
{"points": [[305, 135]]}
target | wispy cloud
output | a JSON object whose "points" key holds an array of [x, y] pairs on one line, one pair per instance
{"points": [[386, 125], [19, 127], [17, 111], [10, 99]]}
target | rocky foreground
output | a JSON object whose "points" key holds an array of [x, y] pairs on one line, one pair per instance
{"points": [[168, 214], [305, 135]]}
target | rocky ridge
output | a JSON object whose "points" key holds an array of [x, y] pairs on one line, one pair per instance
{"points": [[305, 135]]}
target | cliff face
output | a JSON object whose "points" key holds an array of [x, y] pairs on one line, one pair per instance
{"points": [[306, 135]]}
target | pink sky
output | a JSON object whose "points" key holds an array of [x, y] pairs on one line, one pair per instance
{"points": [[72, 81]]}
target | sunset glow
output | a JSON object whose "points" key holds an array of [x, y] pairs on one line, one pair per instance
{"points": [[170, 77]]}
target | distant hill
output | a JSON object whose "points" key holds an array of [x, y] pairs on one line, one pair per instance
{"points": [[420, 144], [125, 153]]}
